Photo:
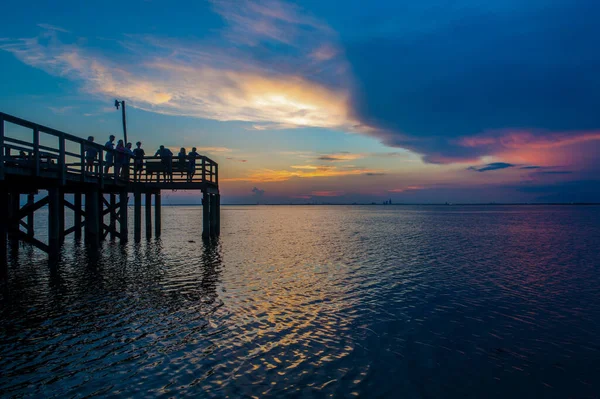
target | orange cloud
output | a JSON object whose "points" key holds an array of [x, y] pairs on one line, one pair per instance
{"points": [[409, 188], [269, 175], [327, 193]]}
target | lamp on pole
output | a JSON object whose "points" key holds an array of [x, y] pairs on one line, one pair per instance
{"points": [[122, 104]]}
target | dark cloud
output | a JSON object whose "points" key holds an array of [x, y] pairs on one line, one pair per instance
{"points": [[374, 174], [532, 167], [258, 192], [491, 166], [529, 66], [555, 172]]}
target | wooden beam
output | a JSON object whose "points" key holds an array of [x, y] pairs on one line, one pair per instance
{"points": [[53, 219], [148, 215], [78, 213], [113, 217], [27, 209], [157, 215], [206, 215], [30, 217], [34, 241], [123, 217], [137, 216]]}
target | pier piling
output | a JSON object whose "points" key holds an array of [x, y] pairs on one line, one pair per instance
{"points": [[137, 216], [148, 216], [157, 216]]}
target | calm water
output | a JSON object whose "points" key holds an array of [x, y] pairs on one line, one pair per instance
{"points": [[415, 302]]}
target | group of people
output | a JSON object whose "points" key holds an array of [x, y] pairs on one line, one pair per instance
{"points": [[124, 154]]}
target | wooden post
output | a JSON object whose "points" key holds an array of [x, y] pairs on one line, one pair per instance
{"points": [[3, 232], [92, 218], [137, 216], [148, 215], [113, 217], [36, 151], [203, 169], [62, 164], [2, 160], [30, 216], [205, 215], [61, 216], [123, 217], [213, 215], [53, 219], [157, 210], [218, 215], [77, 216]]}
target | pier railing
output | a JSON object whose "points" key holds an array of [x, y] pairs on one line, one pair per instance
{"points": [[30, 149]]}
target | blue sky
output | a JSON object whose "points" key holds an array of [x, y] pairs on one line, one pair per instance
{"points": [[429, 101]]}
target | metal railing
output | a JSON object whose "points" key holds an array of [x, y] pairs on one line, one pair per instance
{"points": [[65, 159]]}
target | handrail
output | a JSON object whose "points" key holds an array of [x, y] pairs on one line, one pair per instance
{"points": [[69, 162]]}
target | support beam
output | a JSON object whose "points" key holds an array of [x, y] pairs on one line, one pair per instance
{"points": [[148, 216], [77, 216], [218, 215], [3, 232], [92, 218], [54, 232], [123, 216], [61, 216], [157, 216], [30, 217], [113, 216], [205, 215], [213, 215], [137, 216]]}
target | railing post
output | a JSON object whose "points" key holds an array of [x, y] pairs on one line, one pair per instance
{"points": [[62, 159], [203, 169], [82, 159], [36, 151], [101, 168], [216, 173], [1, 150]]}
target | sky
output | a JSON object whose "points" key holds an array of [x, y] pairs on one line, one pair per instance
{"points": [[427, 101]]}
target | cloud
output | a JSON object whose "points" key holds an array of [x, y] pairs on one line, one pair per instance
{"points": [[532, 167], [61, 110], [405, 189], [211, 79], [214, 149], [339, 157], [53, 27], [304, 172], [493, 66], [491, 166], [327, 193], [258, 192]]}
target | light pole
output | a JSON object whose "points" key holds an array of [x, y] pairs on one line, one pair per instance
{"points": [[122, 104]]}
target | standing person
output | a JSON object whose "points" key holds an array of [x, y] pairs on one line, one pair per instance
{"points": [[110, 145], [120, 158], [192, 155], [138, 165], [166, 157], [181, 164], [90, 156]]}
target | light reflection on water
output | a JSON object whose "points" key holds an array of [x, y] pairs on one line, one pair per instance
{"points": [[303, 301]]}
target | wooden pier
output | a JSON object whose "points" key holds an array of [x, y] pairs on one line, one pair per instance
{"points": [[36, 159]]}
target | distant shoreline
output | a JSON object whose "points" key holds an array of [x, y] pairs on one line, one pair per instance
{"points": [[415, 204]]}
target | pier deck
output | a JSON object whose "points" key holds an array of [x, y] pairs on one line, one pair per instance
{"points": [[36, 158]]}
